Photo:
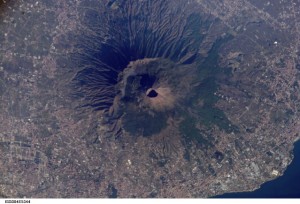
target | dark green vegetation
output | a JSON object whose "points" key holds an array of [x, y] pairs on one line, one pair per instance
{"points": [[177, 45], [191, 133], [195, 24], [143, 123], [210, 76], [133, 31]]}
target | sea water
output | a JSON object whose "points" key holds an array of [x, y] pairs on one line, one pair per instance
{"points": [[285, 186]]}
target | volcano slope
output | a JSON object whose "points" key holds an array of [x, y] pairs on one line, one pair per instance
{"points": [[146, 98]]}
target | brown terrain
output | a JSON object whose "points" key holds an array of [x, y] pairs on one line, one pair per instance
{"points": [[175, 98]]}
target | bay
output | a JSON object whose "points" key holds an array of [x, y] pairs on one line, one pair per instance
{"points": [[285, 186]]}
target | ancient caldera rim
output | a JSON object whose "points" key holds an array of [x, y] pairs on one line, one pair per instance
{"points": [[146, 97]]}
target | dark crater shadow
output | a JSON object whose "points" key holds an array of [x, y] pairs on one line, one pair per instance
{"points": [[152, 93]]}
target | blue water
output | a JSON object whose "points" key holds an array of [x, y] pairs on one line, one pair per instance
{"points": [[285, 186]]}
